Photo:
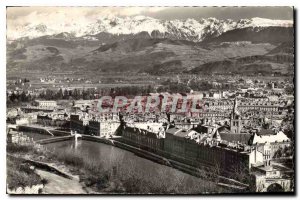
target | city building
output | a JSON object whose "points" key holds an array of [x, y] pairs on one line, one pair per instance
{"points": [[41, 103], [100, 126]]}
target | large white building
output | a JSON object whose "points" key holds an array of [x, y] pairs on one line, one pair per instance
{"points": [[46, 103]]}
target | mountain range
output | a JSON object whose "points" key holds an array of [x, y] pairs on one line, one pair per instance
{"points": [[189, 29], [144, 44]]}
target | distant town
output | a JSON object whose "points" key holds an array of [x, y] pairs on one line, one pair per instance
{"points": [[247, 133]]}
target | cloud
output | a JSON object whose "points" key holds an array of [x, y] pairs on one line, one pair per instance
{"points": [[23, 15], [131, 11]]}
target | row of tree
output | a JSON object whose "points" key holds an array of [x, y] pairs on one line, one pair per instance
{"points": [[19, 97], [77, 94], [175, 87]]}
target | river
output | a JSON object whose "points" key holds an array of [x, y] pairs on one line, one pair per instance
{"points": [[108, 156]]}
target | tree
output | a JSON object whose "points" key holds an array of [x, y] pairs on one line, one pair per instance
{"points": [[59, 94], [66, 94], [76, 94], [149, 89], [29, 97], [49, 94], [278, 153], [22, 97], [240, 172], [289, 90], [287, 151], [86, 94], [13, 96]]}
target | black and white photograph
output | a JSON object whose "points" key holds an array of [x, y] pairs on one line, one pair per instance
{"points": [[150, 100]]}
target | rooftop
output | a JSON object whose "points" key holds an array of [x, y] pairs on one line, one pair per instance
{"points": [[234, 137], [266, 132]]}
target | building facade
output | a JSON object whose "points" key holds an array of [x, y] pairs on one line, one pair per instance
{"points": [[45, 103], [98, 127]]}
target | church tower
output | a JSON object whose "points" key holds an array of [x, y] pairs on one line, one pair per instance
{"points": [[235, 119]]}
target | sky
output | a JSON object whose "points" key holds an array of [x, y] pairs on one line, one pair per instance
{"points": [[23, 15]]}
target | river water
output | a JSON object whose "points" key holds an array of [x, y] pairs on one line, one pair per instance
{"points": [[108, 156]]}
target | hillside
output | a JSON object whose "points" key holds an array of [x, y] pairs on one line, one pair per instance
{"points": [[263, 64], [263, 50], [274, 35]]}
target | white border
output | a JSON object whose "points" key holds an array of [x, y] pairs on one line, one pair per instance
{"points": [[4, 3], [152, 3]]}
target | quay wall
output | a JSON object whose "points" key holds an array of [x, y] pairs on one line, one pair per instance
{"points": [[39, 130], [60, 132], [42, 130], [54, 139]]}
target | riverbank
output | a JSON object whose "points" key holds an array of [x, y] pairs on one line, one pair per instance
{"points": [[50, 177], [59, 185], [21, 177]]}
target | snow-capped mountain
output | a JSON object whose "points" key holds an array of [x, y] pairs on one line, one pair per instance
{"points": [[189, 29]]}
